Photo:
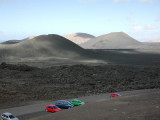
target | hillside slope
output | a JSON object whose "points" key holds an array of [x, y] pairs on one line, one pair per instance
{"points": [[116, 40], [43, 47]]}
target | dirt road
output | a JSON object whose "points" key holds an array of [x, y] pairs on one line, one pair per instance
{"points": [[139, 106], [93, 104]]}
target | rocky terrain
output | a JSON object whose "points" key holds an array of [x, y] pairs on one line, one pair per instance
{"points": [[21, 83]]}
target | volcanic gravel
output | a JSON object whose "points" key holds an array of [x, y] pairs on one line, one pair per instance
{"points": [[22, 83]]}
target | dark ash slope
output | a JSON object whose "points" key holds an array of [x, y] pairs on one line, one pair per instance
{"points": [[44, 47]]}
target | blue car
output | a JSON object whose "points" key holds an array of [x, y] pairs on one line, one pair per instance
{"points": [[64, 104]]}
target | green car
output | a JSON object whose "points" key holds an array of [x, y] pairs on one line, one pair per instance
{"points": [[76, 102]]}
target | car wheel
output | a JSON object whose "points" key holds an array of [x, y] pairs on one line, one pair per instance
{"points": [[46, 110]]}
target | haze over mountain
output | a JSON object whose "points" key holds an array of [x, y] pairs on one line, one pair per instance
{"points": [[79, 38], [44, 47], [155, 40], [11, 42], [17, 41], [115, 40]]}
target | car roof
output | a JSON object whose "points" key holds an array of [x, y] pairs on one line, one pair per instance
{"points": [[7, 113], [75, 100], [116, 93], [52, 105]]}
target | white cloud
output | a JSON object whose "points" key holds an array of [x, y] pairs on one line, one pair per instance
{"points": [[151, 27], [144, 35], [144, 32], [139, 27]]}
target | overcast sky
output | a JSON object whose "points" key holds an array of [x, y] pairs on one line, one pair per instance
{"points": [[22, 18]]}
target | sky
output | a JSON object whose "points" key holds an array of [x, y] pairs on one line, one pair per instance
{"points": [[23, 18]]}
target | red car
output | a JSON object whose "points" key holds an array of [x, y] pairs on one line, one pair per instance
{"points": [[52, 108], [115, 95]]}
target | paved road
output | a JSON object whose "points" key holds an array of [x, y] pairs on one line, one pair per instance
{"points": [[29, 111]]}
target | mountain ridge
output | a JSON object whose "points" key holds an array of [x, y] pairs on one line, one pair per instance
{"points": [[119, 40], [43, 47], [79, 38]]}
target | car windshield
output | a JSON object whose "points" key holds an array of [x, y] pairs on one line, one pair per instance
{"points": [[11, 116], [66, 103], [77, 101], [55, 107]]}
